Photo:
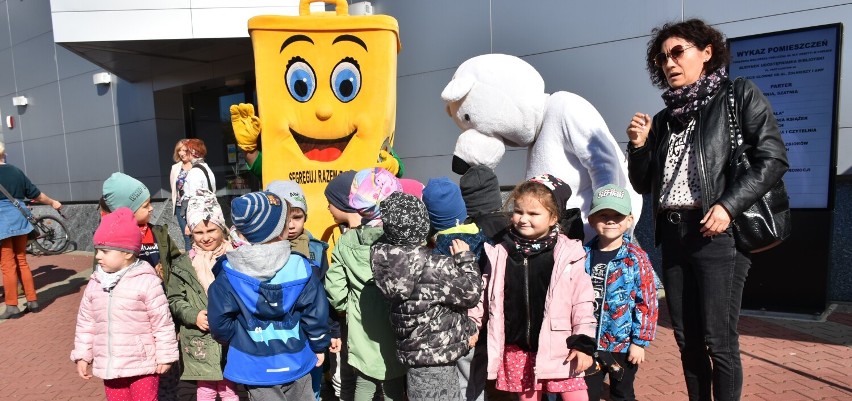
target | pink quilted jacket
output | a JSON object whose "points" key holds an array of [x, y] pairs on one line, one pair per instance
{"points": [[568, 310], [127, 331]]}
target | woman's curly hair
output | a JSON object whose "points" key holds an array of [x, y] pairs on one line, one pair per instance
{"points": [[694, 31]]}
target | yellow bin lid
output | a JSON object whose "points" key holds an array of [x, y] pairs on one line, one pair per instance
{"points": [[327, 21]]}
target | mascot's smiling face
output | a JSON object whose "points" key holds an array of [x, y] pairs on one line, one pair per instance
{"points": [[328, 98]]}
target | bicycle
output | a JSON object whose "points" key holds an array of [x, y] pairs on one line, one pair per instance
{"points": [[50, 238]]}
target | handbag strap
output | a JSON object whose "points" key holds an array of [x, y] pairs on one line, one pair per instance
{"points": [[206, 175], [733, 123], [17, 204], [738, 147]]}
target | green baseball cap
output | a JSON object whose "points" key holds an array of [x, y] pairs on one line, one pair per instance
{"points": [[613, 197]]}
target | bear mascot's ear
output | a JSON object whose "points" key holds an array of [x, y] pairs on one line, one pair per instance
{"points": [[457, 88]]}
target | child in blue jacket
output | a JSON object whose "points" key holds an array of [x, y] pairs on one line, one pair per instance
{"points": [[268, 305], [625, 294]]}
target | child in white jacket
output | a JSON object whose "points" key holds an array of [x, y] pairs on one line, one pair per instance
{"points": [[125, 333]]}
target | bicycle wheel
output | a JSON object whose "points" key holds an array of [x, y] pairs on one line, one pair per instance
{"points": [[53, 237]]}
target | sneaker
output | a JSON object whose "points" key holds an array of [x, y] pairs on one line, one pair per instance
{"points": [[12, 312], [32, 307]]}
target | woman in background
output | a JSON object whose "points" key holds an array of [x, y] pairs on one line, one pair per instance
{"points": [[177, 179], [14, 228]]}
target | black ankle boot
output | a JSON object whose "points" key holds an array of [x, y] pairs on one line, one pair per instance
{"points": [[11, 312]]}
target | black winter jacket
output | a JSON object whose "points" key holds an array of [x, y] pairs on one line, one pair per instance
{"points": [[429, 296], [713, 150]]}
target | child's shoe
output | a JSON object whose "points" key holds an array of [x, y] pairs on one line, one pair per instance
{"points": [[32, 307]]}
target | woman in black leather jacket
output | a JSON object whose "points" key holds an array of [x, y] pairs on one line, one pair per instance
{"points": [[680, 157]]}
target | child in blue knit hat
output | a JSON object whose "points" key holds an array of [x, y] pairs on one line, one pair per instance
{"points": [[268, 305], [448, 214], [444, 202]]}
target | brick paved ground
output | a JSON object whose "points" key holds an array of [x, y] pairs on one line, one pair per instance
{"points": [[783, 359]]}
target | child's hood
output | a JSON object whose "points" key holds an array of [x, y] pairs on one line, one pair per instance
{"points": [[261, 261], [357, 249], [397, 269], [469, 233], [267, 278]]}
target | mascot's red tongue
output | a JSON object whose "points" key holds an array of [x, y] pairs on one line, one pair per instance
{"points": [[323, 155]]}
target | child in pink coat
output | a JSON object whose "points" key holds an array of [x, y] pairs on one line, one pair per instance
{"points": [[541, 325], [125, 333]]}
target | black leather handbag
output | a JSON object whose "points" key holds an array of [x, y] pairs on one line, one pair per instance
{"points": [[766, 223]]}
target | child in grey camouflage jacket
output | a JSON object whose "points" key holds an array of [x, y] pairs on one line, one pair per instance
{"points": [[429, 296]]}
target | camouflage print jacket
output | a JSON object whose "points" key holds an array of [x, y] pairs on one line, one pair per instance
{"points": [[429, 296]]}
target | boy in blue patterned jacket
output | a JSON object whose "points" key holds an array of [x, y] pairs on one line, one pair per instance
{"points": [[625, 294]]}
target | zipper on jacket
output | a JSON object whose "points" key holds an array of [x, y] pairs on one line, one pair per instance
{"points": [[527, 296], [109, 333], [702, 174], [603, 301]]}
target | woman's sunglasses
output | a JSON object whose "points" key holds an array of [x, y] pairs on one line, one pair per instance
{"points": [[674, 53]]}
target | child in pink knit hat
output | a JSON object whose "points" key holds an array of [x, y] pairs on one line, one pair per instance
{"points": [[124, 307]]}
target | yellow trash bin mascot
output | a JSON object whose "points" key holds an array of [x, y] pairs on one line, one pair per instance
{"points": [[326, 92]]}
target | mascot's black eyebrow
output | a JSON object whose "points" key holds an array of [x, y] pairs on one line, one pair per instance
{"points": [[350, 38], [295, 38]]}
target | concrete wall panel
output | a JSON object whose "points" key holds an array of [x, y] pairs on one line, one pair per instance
{"points": [[429, 45], [7, 74], [70, 64], [93, 154], [46, 160], [42, 117], [5, 37], [28, 19], [35, 62], [85, 105]]}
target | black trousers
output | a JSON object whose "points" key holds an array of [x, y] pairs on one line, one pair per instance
{"points": [[619, 390], [704, 279]]}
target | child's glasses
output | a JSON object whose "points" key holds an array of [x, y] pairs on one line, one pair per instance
{"points": [[674, 53]]}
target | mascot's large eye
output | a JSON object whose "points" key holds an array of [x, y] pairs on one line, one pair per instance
{"points": [[346, 79], [466, 117], [301, 80]]}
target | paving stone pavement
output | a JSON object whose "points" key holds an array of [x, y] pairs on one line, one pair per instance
{"points": [[783, 359]]}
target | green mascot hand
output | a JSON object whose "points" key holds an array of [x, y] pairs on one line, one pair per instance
{"points": [[246, 126]]}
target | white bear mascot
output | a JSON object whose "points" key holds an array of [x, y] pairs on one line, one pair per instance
{"points": [[499, 100]]}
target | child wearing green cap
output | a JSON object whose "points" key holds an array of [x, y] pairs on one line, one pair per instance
{"points": [[158, 247], [625, 294]]}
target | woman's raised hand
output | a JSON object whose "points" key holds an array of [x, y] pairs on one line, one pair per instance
{"points": [[637, 131]]}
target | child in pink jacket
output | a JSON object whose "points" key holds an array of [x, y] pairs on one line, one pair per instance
{"points": [[125, 332], [541, 325]]}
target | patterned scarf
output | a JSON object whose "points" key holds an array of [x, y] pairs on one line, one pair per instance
{"points": [[528, 247], [685, 101], [203, 262]]}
